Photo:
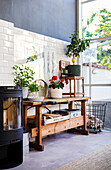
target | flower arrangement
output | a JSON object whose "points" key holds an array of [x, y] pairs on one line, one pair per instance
{"points": [[57, 83]]}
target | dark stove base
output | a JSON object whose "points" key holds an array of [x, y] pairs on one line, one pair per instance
{"points": [[11, 155]]}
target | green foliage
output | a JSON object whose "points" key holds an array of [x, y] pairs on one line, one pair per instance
{"points": [[77, 45], [102, 21], [23, 76], [34, 87], [104, 62], [102, 27]]}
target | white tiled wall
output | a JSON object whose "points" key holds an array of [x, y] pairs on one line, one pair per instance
{"points": [[49, 50], [6, 52], [17, 44]]}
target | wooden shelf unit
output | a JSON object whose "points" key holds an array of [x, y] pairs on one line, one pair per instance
{"points": [[39, 131]]}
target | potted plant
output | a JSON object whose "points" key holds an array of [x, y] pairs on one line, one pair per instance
{"points": [[33, 89], [74, 49], [56, 86], [23, 77]]}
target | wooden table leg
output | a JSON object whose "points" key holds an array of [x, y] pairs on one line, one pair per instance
{"points": [[70, 87], [38, 141], [84, 130], [25, 117], [70, 105], [83, 86], [74, 88], [83, 112]]}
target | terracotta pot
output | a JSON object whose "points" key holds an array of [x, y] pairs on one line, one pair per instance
{"points": [[56, 93]]}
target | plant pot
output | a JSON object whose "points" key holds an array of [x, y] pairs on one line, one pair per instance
{"points": [[56, 93], [25, 92], [33, 94], [74, 70]]}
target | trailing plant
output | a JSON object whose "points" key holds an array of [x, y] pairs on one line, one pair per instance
{"points": [[76, 46], [23, 75], [56, 83], [34, 87]]}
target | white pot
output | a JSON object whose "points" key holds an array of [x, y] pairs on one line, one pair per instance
{"points": [[33, 94], [56, 93], [25, 92]]}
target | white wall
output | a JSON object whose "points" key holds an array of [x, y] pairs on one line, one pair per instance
{"points": [[50, 51], [6, 52], [99, 76], [16, 45]]}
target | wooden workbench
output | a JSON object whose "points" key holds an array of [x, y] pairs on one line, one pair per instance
{"points": [[53, 128]]}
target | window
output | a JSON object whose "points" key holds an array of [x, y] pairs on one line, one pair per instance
{"points": [[96, 25]]}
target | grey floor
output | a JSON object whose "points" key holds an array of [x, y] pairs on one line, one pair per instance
{"points": [[63, 148]]}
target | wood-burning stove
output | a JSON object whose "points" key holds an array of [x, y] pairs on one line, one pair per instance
{"points": [[11, 130]]}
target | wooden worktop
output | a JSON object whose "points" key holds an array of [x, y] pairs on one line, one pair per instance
{"points": [[61, 100]]}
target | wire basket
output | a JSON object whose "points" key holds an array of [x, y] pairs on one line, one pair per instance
{"points": [[96, 116]]}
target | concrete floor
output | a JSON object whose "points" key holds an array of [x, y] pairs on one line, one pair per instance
{"points": [[63, 148]]}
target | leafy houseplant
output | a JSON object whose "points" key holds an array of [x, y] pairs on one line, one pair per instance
{"points": [[23, 77], [33, 87], [74, 49], [56, 86]]}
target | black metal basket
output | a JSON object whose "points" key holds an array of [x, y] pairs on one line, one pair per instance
{"points": [[96, 116]]}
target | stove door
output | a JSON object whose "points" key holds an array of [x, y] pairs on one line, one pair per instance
{"points": [[11, 113]]}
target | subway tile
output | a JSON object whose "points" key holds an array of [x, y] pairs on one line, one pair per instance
{"points": [[8, 31], [8, 57], [8, 44], [3, 50], [11, 38], [3, 36], [4, 23], [1, 29], [10, 51]]}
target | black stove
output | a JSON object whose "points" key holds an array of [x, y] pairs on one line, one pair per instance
{"points": [[11, 130]]}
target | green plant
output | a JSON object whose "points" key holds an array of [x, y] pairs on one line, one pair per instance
{"points": [[102, 28], [23, 76], [55, 83], [76, 46], [34, 87]]}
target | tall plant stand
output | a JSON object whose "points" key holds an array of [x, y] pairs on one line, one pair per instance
{"points": [[64, 75], [75, 93]]}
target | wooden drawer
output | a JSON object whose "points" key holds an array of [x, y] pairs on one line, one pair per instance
{"points": [[61, 126]]}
